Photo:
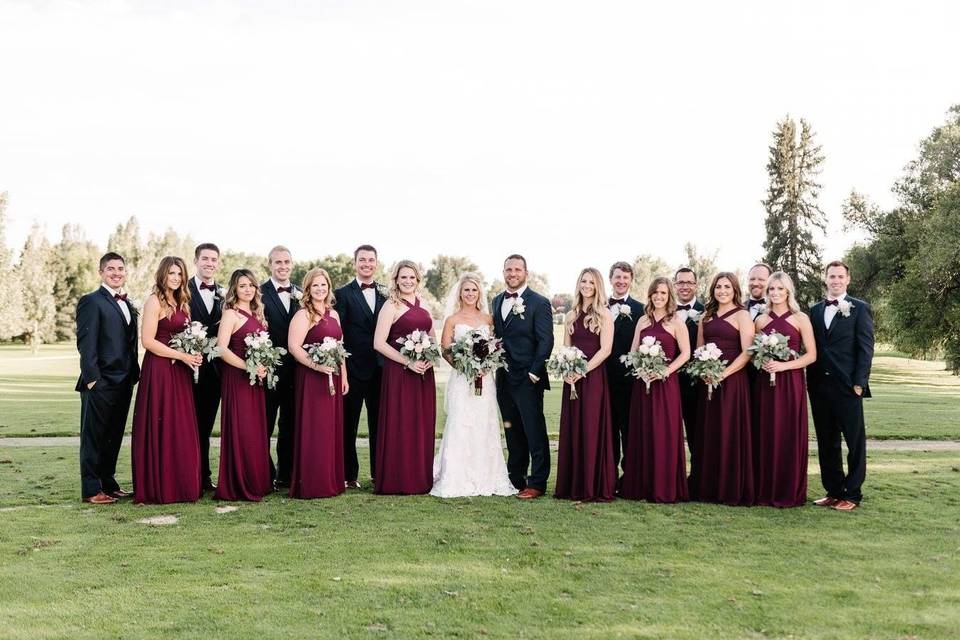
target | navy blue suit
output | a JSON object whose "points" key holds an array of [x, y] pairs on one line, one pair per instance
{"points": [[206, 391], [280, 398], [527, 341], [108, 356], [620, 383], [364, 368], [844, 357]]}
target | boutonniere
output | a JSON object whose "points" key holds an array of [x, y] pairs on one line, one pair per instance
{"points": [[621, 311], [761, 309], [135, 305], [518, 308], [297, 295], [844, 308], [219, 293], [382, 290], [689, 315]]}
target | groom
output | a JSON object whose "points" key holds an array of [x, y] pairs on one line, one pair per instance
{"points": [[524, 320]]}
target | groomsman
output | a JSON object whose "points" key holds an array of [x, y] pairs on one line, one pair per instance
{"points": [[690, 309], [757, 286], [281, 300], [524, 320], [626, 313], [109, 367], [206, 306], [838, 382], [359, 303]]}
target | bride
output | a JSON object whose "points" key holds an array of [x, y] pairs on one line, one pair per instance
{"points": [[470, 461]]}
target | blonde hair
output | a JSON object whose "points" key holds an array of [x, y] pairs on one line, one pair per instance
{"points": [[277, 249], [598, 306], [465, 278], [671, 299], [787, 283], [313, 314], [394, 293]]}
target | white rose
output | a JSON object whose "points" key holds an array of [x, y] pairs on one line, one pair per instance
{"points": [[655, 350], [644, 349], [409, 344], [649, 340]]}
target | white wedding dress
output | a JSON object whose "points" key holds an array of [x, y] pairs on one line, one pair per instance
{"points": [[470, 461]]}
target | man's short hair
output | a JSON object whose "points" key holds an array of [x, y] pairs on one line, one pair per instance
{"points": [[836, 263], [626, 267], [516, 256], [685, 270], [764, 265], [205, 246], [365, 247], [276, 249], [108, 256]]}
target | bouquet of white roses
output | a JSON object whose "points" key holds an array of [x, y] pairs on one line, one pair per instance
{"points": [[261, 352], [769, 347], [707, 366], [477, 353], [419, 346], [194, 341], [566, 361], [329, 353], [647, 362]]}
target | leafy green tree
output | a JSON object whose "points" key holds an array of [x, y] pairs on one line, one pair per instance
{"points": [[444, 271], [793, 215], [76, 260], [703, 265], [645, 269], [34, 272], [11, 292], [230, 261]]}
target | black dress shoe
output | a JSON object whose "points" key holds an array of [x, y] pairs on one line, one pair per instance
{"points": [[282, 484], [120, 494], [209, 486]]}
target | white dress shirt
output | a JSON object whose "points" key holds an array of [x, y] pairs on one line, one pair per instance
{"points": [[205, 294], [285, 296], [369, 294], [123, 305], [830, 310], [508, 302]]}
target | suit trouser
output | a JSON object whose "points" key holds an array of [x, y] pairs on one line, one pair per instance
{"points": [[206, 401], [361, 391], [838, 412], [280, 401], [688, 406], [620, 418], [527, 444], [103, 418]]}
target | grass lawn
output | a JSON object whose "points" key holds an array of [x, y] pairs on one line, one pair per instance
{"points": [[912, 398], [361, 566]]}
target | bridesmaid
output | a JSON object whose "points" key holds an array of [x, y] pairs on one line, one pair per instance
{"points": [[408, 406], [655, 467], [586, 469], [166, 451], [244, 446], [724, 471], [781, 410], [318, 424]]}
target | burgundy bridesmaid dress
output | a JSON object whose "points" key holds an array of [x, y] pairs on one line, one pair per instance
{"points": [[781, 413], [166, 451], [724, 471], [244, 452], [586, 469], [406, 428], [318, 431], [655, 466]]}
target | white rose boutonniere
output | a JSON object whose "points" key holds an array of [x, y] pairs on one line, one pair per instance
{"points": [[297, 295], [621, 311], [760, 310], [382, 290], [518, 308], [219, 293], [691, 315], [844, 308]]}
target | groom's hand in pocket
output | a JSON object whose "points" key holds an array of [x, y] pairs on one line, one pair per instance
{"points": [[534, 379]]}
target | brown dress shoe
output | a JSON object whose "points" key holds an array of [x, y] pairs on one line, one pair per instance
{"points": [[100, 498], [120, 494], [845, 505], [529, 494], [826, 502]]}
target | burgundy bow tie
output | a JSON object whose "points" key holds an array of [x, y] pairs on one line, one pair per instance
{"points": [[683, 307], [120, 296], [285, 289], [616, 301], [832, 303], [510, 295], [209, 287], [372, 285]]}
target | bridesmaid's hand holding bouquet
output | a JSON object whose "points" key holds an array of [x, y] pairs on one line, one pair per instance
{"points": [[771, 347], [420, 348], [568, 363], [330, 354], [707, 366], [648, 362], [263, 358], [194, 342]]}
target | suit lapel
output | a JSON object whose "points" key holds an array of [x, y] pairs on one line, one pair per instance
{"points": [[294, 303], [498, 314], [274, 298], [362, 301], [116, 306], [201, 305]]}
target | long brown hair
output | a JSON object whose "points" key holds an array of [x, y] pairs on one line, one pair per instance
{"points": [[598, 307], [230, 300], [671, 299], [313, 314], [710, 309], [181, 295]]}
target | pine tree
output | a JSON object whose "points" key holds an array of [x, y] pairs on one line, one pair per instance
{"points": [[34, 272], [11, 294], [793, 215], [76, 261]]}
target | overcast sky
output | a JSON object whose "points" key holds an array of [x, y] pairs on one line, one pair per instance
{"points": [[578, 133]]}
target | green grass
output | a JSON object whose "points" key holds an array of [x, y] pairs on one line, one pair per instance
{"points": [[912, 398], [361, 566]]}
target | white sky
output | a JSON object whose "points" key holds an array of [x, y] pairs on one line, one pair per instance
{"points": [[577, 133]]}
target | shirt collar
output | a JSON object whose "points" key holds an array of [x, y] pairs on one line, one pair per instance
{"points": [[112, 292], [520, 291], [197, 281], [842, 296], [277, 285], [360, 284]]}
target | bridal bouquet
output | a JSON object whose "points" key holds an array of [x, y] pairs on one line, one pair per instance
{"points": [[194, 341], [565, 361], [329, 353], [475, 354], [707, 366], [647, 362], [419, 346], [769, 347], [260, 351]]}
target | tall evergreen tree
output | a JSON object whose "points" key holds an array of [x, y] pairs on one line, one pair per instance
{"points": [[37, 277], [75, 261], [11, 294], [793, 215]]}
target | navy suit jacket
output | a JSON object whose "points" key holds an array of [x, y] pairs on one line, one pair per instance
{"points": [[358, 324], [623, 331], [527, 340], [107, 344], [693, 327], [211, 319], [845, 350], [278, 318]]}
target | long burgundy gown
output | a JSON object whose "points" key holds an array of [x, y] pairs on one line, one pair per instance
{"points": [[781, 412], [318, 432], [725, 472], [166, 451], [244, 453], [655, 466], [586, 469], [406, 428]]}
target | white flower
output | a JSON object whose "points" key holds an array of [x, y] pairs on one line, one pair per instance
{"points": [[655, 350], [518, 308], [693, 315], [844, 308], [408, 344], [297, 295], [220, 292], [382, 290], [644, 349], [760, 309], [649, 340], [620, 310]]}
